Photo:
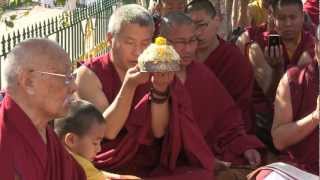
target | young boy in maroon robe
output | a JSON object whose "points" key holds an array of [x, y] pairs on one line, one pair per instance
{"points": [[81, 132], [38, 87], [295, 127], [295, 49], [224, 59], [214, 110], [148, 132]]}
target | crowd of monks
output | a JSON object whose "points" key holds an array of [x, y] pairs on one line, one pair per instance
{"points": [[232, 108]]}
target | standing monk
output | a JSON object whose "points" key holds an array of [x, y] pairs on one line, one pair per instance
{"points": [[217, 115], [38, 87], [149, 125], [224, 59]]}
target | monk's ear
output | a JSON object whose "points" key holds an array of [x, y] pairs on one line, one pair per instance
{"points": [[109, 38], [25, 81], [71, 140], [217, 19]]}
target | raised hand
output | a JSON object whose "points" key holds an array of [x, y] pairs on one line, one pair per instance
{"points": [[135, 77], [274, 55], [253, 157], [161, 81]]}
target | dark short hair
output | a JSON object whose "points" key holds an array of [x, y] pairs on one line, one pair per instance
{"points": [[276, 4], [197, 5], [81, 116], [173, 19]]}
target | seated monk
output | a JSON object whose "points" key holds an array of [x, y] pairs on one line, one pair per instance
{"points": [[295, 129], [39, 88], [224, 59], [147, 134], [259, 33], [295, 49], [217, 115]]}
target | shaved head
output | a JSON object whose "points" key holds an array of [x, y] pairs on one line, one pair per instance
{"points": [[32, 54], [173, 19]]}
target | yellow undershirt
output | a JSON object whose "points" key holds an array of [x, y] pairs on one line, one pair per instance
{"points": [[92, 172]]}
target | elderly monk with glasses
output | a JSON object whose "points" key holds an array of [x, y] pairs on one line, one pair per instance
{"points": [[38, 88]]}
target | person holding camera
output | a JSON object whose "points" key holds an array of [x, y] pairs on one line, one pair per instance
{"points": [[271, 53], [297, 115]]}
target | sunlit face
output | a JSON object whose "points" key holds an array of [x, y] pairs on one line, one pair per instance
{"points": [[52, 94], [168, 6], [129, 44], [288, 21], [88, 145], [206, 27], [184, 41]]}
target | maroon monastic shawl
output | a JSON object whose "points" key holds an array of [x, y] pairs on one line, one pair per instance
{"points": [[135, 150], [304, 85], [236, 75], [23, 152], [218, 116]]}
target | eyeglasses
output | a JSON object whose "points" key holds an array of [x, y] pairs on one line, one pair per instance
{"points": [[183, 43], [201, 26], [68, 77]]}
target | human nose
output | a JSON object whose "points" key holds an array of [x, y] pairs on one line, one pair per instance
{"points": [[287, 22], [190, 45], [98, 149]]}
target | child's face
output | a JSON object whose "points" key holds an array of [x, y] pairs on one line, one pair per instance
{"points": [[89, 145]]}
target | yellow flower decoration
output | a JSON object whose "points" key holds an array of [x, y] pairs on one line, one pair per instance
{"points": [[161, 41]]}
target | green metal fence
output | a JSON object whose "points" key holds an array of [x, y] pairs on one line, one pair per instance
{"points": [[70, 30], [67, 29]]}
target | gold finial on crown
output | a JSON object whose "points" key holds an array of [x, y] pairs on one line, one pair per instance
{"points": [[161, 41]]}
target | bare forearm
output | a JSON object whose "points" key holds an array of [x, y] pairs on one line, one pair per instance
{"points": [[160, 117], [292, 133], [117, 113]]}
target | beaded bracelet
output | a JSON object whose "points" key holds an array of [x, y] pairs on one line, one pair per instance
{"points": [[155, 100], [159, 93]]}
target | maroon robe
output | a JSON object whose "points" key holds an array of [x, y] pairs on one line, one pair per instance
{"points": [[304, 89], [236, 75], [218, 116], [262, 103], [311, 7], [135, 150], [23, 152], [303, 84]]}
